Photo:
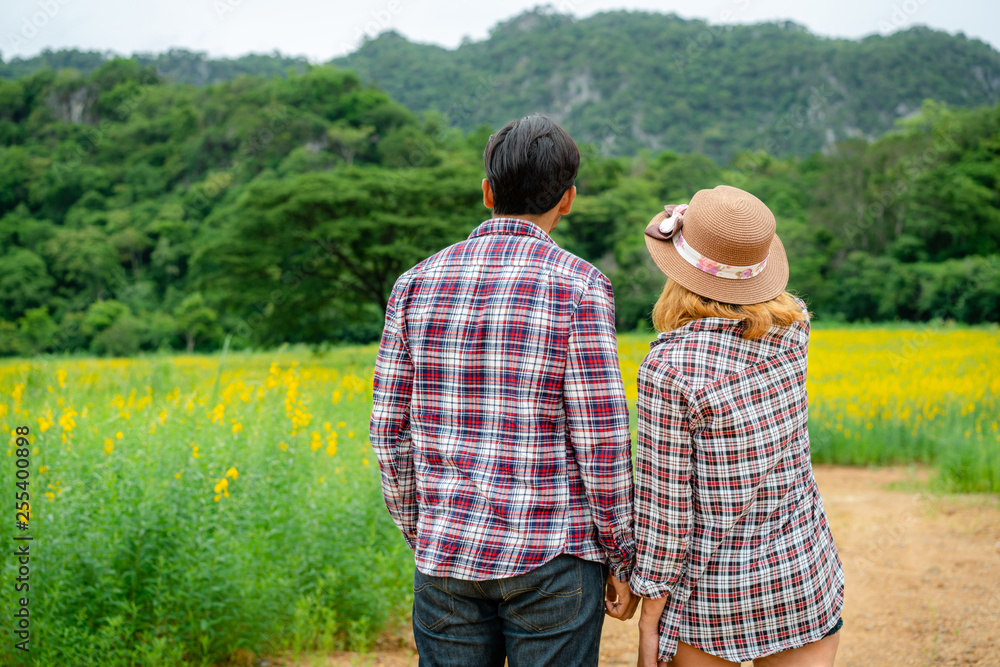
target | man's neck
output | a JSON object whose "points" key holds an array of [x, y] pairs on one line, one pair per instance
{"points": [[546, 221]]}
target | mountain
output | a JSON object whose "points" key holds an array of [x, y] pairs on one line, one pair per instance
{"points": [[627, 81], [177, 65], [632, 80]]}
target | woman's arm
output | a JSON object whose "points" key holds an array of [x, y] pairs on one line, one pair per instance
{"points": [[649, 631], [663, 500], [664, 464]]}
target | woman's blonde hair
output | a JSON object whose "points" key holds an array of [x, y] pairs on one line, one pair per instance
{"points": [[678, 305]]}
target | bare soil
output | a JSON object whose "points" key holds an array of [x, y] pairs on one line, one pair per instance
{"points": [[922, 571]]}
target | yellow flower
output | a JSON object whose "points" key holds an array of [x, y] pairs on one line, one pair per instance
{"points": [[332, 449], [350, 434], [49, 495], [321, 480], [221, 484], [218, 413], [177, 476], [194, 452], [341, 424], [232, 472], [237, 427], [283, 446], [109, 445], [364, 462], [42, 469], [119, 435], [67, 421]]}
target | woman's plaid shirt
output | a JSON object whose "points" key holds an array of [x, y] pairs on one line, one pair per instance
{"points": [[729, 521], [499, 417]]}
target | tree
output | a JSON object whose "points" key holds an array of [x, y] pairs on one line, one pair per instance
{"points": [[294, 253], [24, 282], [348, 141], [195, 319], [36, 330]]}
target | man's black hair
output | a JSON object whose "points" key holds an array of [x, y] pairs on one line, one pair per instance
{"points": [[530, 163]]}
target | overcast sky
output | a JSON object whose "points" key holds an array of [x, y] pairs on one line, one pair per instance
{"points": [[322, 30]]}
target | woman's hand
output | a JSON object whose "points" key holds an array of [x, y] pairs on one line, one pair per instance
{"points": [[649, 632]]}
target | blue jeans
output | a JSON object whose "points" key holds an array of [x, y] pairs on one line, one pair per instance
{"points": [[550, 616]]}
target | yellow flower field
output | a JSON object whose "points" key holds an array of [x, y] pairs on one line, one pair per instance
{"points": [[189, 506], [898, 395]]}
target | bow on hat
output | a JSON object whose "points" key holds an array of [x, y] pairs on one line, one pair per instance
{"points": [[671, 225]]}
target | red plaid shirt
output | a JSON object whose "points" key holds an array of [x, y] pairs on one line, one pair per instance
{"points": [[729, 521], [499, 417]]}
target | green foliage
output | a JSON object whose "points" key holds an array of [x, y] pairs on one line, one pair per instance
{"points": [[625, 81], [282, 209], [179, 65], [24, 282], [147, 560], [196, 320], [117, 186], [302, 251]]}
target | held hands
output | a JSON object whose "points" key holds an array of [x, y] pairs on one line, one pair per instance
{"points": [[619, 602]]}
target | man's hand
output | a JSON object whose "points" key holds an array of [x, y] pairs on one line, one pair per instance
{"points": [[619, 601], [649, 632]]}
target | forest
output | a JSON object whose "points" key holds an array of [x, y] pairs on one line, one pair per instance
{"points": [[140, 213], [631, 80]]}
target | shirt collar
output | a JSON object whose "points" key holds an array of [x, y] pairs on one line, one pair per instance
{"points": [[701, 324], [510, 226]]}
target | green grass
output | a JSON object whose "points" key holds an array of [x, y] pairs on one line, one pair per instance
{"points": [[133, 565]]}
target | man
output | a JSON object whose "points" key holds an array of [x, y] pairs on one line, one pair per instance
{"points": [[501, 429]]}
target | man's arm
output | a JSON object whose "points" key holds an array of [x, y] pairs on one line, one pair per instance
{"points": [[597, 415], [389, 431]]}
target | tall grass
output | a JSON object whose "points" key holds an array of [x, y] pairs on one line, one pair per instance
{"points": [[169, 529], [185, 512]]}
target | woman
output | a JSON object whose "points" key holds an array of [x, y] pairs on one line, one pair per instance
{"points": [[735, 559]]}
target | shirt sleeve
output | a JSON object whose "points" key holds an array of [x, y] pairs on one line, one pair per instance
{"points": [[597, 418], [663, 505], [389, 430]]}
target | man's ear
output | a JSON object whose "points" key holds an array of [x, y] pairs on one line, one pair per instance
{"points": [[566, 203], [487, 194]]}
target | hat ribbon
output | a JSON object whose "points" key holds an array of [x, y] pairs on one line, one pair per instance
{"points": [[670, 230], [702, 263]]}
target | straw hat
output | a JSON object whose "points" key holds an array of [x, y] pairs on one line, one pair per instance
{"points": [[721, 246]]}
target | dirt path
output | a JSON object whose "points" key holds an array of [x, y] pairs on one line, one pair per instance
{"points": [[923, 579]]}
